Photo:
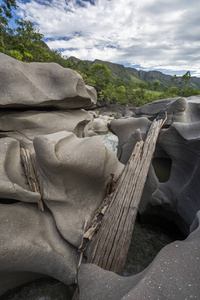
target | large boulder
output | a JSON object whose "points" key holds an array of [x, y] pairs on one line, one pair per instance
{"points": [[26, 125], [31, 247], [73, 174], [179, 146], [184, 110], [172, 182], [128, 134], [42, 85]]}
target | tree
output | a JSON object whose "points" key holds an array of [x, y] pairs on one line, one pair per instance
{"points": [[142, 85], [156, 85], [5, 15], [5, 12], [149, 85], [185, 79], [28, 42], [174, 79], [174, 90], [165, 89], [100, 74]]}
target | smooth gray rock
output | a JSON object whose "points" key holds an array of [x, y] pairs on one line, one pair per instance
{"points": [[42, 85], [25, 126], [12, 180], [184, 110], [128, 134], [180, 194], [31, 244], [173, 275], [73, 174]]}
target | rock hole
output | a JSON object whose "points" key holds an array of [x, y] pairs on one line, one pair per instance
{"points": [[162, 165]]}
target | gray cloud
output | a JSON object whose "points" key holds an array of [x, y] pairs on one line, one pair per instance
{"points": [[150, 33]]}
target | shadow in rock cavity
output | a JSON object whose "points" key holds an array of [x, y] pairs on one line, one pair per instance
{"points": [[147, 241], [162, 164]]}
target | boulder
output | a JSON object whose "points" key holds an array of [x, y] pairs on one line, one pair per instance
{"points": [[32, 247], [26, 125], [172, 183], [181, 143], [128, 134], [184, 110], [36, 84], [100, 124], [174, 274], [73, 174]]}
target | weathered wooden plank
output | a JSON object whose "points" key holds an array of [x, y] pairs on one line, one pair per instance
{"points": [[30, 174], [110, 246]]}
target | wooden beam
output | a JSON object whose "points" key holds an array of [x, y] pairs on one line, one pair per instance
{"points": [[110, 246], [30, 174]]}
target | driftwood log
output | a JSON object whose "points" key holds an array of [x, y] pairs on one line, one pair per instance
{"points": [[30, 174], [110, 246]]}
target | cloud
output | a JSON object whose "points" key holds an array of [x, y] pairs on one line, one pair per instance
{"points": [[150, 33]]}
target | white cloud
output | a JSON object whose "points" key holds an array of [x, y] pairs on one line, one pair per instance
{"points": [[153, 34]]}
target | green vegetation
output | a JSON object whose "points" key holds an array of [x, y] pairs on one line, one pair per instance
{"points": [[112, 81]]}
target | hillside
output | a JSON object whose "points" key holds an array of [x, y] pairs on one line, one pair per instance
{"points": [[128, 74]]}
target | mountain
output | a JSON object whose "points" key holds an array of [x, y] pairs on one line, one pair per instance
{"points": [[128, 74], [117, 71]]}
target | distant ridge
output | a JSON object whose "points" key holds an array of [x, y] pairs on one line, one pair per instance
{"points": [[128, 74]]}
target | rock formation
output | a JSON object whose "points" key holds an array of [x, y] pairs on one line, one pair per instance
{"points": [[43, 109], [171, 192], [25, 85], [72, 168], [174, 274]]}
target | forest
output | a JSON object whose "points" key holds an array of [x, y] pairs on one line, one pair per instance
{"points": [[25, 43]]}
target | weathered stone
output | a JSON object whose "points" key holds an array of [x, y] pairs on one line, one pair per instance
{"points": [[25, 126], [184, 110], [73, 174], [181, 142], [42, 85], [126, 130], [31, 244], [174, 274], [100, 124]]}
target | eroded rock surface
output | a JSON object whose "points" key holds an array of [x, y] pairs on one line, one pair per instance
{"points": [[174, 274], [184, 110], [31, 244], [42, 85], [73, 174], [176, 159], [27, 125], [73, 170]]}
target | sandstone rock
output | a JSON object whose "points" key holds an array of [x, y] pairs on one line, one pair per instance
{"points": [[181, 142], [32, 245], [100, 124], [25, 126], [73, 175], [184, 110], [176, 159], [42, 85], [127, 132], [174, 274]]}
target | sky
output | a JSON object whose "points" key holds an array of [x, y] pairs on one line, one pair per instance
{"points": [[147, 35]]}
